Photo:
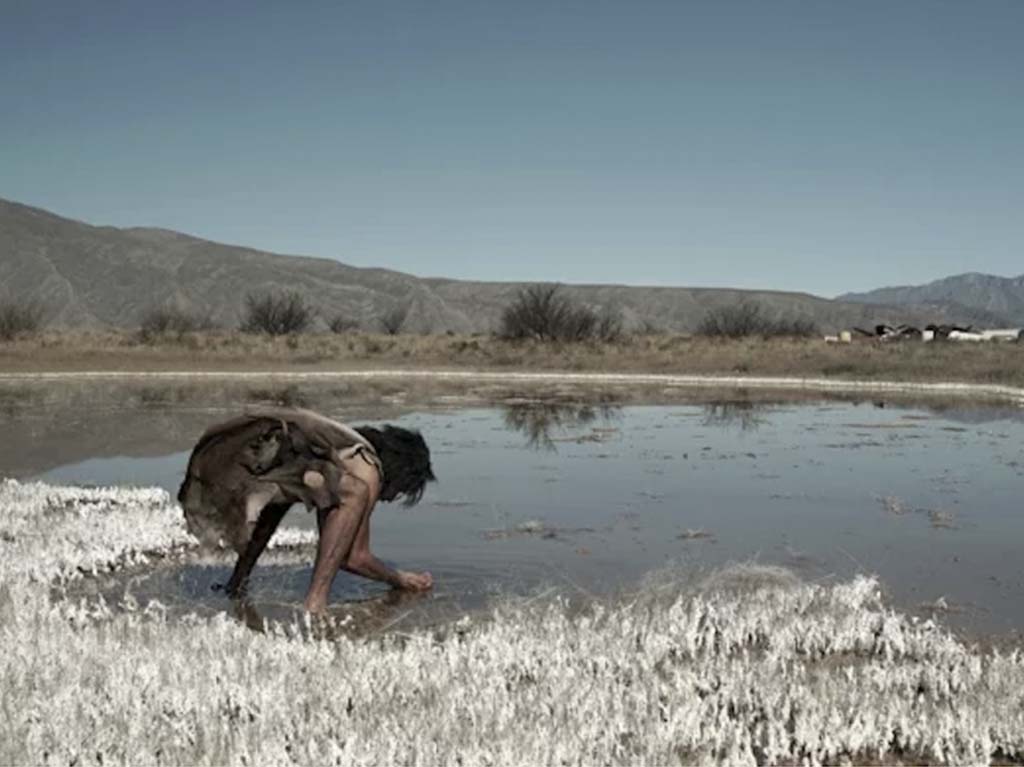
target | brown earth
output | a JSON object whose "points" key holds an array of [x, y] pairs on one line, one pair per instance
{"points": [[991, 363]]}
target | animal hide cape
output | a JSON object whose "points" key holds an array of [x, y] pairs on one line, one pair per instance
{"points": [[279, 456]]}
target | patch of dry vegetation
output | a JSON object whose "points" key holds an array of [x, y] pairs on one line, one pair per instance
{"points": [[231, 350], [750, 666], [172, 324], [545, 313], [19, 318], [747, 319], [277, 313]]}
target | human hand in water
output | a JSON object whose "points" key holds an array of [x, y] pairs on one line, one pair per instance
{"points": [[415, 581]]}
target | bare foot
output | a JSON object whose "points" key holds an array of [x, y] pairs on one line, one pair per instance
{"points": [[415, 581]]}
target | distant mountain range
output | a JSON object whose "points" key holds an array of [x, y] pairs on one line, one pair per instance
{"points": [[99, 276], [1000, 297]]}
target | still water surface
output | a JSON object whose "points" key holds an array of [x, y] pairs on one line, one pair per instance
{"points": [[591, 494]]}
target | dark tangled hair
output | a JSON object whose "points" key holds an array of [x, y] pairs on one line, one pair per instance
{"points": [[406, 461]]}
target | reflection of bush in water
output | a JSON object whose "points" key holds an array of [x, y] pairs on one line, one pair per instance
{"points": [[16, 400], [537, 419], [745, 414], [159, 397], [285, 396]]}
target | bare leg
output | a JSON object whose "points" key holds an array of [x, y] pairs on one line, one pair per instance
{"points": [[270, 517], [338, 527]]}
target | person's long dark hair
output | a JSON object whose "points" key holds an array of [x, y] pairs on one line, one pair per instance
{"points": [[406, 461]]}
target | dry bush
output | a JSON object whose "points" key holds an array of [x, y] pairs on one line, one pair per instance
{"points": [[19, 317], [650, 328], [748, 319], [277, 314], [339, 323], [609, 325], [393, 320], [742, 319], [545, 313], [170, 321], [795, 327]]}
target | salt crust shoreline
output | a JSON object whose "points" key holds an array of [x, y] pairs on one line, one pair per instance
{"points": [[956, 389], [750, 666]]}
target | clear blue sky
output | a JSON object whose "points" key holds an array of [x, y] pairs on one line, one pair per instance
{"points": [[822, 146]]}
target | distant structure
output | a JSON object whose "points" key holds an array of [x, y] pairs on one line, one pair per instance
{"points": [[894, 333]]}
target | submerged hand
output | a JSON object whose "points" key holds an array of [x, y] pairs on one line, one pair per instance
{"points": [[415, 581]]}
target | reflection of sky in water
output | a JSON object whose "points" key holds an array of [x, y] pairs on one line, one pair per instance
{"points": [[798, 485], [164, 471]]}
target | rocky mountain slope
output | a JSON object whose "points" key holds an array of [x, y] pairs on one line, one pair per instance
{"points": [[1002, 297], [101, 276]]}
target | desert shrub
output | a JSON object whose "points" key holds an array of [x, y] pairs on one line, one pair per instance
{"points": [[339, 323], [545, 313], [393, 320], [277, 313], [609, 325], [19, 317], [742, 319], [748, 319], [578, 324], [167, 321], [795, 327], [650, 328]]}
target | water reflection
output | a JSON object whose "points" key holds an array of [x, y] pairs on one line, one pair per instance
{"points": [[18, 399], [537, 419], [745, 414], [50, 424], [282, 396], [53, 424], [640, 479]]}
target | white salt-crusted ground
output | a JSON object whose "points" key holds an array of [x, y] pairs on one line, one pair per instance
{"points": [[750, 666], [50, 533], [1012, 394]]}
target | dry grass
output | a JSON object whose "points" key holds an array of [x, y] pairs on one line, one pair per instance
{"points": [[749, 666], [233, 351]]}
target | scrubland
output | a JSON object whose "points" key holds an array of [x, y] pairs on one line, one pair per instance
{"points": [[992, 363], [749, 665]]}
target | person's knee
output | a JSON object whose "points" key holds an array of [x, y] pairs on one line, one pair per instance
{"points": [[358, 559]]}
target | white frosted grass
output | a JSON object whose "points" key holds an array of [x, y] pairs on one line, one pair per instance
{"points": [[54, 533], [293, 537], [51, 533], [752, 666]]}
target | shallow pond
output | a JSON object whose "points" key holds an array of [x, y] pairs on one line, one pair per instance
{"points": [[590, 491]]}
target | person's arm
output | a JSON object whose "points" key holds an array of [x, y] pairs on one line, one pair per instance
{"points": [[270, 517], [361, 561], [368, 566]]}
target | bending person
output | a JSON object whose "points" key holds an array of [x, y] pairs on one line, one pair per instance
{"points": [[244, 474]]}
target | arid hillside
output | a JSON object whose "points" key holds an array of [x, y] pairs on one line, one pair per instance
{"points": [[1002, 296], [88, 276]]}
